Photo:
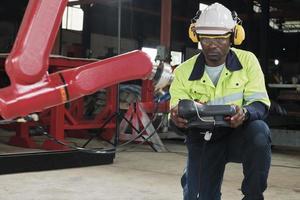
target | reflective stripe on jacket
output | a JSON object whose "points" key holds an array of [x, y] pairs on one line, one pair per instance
{"points": [[241, 81]]}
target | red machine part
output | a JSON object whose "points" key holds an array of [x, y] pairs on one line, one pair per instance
{"points": [[29, 57], [33, 90], [71, 120], [64, 86]]}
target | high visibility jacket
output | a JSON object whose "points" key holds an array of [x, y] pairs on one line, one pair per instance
{"points": [[241, 81]]}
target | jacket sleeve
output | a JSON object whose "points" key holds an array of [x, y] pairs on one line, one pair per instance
{"points": [[257, 111], [255, 90]]}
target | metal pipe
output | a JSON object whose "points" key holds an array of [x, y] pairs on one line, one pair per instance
{"points": [[117, 106]]}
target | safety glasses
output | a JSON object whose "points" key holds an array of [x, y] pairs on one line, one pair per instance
{"points": [[219, 39]]}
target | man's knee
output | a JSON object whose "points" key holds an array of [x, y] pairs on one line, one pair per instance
{"points": [[257, 134]]}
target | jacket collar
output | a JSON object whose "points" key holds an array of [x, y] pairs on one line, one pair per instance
{"points": [[232, 64]]}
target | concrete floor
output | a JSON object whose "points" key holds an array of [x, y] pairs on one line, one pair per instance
{"points": [[141, 174]]}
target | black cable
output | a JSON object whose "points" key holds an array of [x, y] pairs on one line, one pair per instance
{"points": [[107, 150], [155, 131], [138, 135], [99, 150], [146, 139], [44, 132], [95, 150], [103, 125]]}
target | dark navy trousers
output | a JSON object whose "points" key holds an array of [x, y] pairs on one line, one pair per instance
{"points": [[249, 144]]}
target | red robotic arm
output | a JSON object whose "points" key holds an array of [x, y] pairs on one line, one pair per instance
{"points": [[32, 89]]}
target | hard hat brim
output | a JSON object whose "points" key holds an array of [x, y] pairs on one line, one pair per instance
{"points": [[212, 30]]}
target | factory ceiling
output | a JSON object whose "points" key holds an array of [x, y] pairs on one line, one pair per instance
{"points": [[284, 20], [284, 14]]}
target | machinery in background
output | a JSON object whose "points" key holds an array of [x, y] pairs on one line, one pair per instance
{"points": [[284, 113], [32, 89], [153, 100]]}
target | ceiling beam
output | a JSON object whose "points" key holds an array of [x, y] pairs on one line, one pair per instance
{"points": [[286, 10], [82, 2]]}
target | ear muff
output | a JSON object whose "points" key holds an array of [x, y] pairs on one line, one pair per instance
{"points": [[192, 30], [238, 34], [238, 31], [192, 33]]}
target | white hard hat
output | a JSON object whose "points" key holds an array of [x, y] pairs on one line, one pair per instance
{"points": [[216, 19]]}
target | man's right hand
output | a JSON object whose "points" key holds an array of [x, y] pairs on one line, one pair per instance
{"points": [[178, 121]]}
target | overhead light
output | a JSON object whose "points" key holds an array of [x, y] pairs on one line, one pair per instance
{"points": [[276, 62]]}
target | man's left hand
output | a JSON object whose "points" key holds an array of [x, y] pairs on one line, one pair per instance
{"points": [[237, 119]]}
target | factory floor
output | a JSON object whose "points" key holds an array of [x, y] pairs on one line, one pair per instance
{"points": [[142, 174]]}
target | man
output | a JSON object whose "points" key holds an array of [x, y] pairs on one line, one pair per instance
{"points": [[223, 75]]}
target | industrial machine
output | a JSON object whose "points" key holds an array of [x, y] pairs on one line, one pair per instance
{"points": [[33, 90]]}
